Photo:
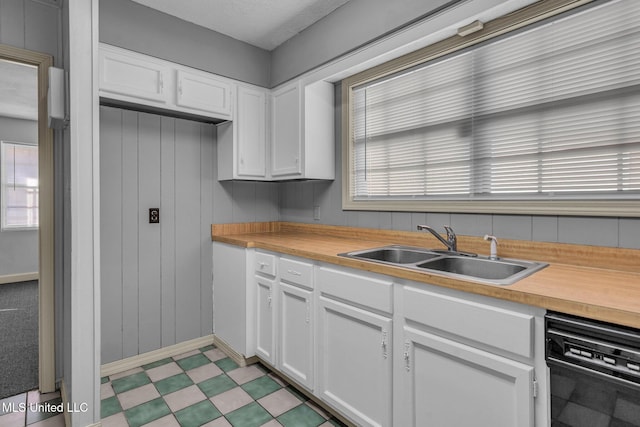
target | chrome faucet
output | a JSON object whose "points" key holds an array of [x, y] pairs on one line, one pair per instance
{"points": [[451, 242]]}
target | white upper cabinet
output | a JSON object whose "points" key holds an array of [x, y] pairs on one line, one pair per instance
{"points": [[302, 131], [286, 132], [203, 93], [242, 144], [134, 78], [130, 76], [266, 135]]}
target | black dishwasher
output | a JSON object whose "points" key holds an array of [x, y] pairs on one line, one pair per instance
{"points": [[595, 372]]}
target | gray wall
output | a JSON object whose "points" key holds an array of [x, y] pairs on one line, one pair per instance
{"points": [[297, 200], [352, 25], [132, 26], [156, 278], [18, 248], [31, 24]]}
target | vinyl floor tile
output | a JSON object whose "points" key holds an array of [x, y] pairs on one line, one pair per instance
{"points": [[202, 388]]}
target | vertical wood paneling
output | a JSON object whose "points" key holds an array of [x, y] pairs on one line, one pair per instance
{"points": [[187, 230], [12, 22], [156, 277], [168, 230], [111, 232], [149, 281], [206, 214], [130, 222]]}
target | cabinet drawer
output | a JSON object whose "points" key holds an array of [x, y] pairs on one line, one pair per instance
{"points": [[265, 264], [493, 326], [297, 272], [360, 289]]}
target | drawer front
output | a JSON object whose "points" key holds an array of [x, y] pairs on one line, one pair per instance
{"points": [[359, 289], [494, 326], [297, 272], [265, 264]]}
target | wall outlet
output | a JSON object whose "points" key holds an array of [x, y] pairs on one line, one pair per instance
{"points": [[316, 213], [154, 215]]}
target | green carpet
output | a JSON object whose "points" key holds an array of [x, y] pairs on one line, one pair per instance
{"points": [[19, 337]]}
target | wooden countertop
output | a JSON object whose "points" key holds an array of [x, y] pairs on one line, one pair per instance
{"points": [[573, 283]]}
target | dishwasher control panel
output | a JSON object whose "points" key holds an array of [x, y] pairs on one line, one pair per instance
{"points": [[585, 344]]}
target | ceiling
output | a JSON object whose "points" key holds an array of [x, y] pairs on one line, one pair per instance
{"points": [[262, 23]]}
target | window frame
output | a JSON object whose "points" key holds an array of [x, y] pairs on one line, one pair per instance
{"points": [[3, 206], [528, 15]]}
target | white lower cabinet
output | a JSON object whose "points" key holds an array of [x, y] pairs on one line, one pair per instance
{"points": [[355, 362], [265, 336], [234, 298], [295, 356], [448, 384], [464, 359], [355, 354], [392, 352]]}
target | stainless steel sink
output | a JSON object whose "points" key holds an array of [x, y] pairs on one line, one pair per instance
{"points": [[500, 271], [474, 267], [394, 255]]}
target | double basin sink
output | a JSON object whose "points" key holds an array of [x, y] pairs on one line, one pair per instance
{"points": [[501, 271]]}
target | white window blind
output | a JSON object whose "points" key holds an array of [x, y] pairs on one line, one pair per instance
{"points": [[19, 171], [551, 112]]}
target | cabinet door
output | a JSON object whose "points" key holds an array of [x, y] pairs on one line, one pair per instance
{"points": [[265, 338], [448, 384], [209, 95], [251, 130], [132, 78], [295, 356], [355, 362], [230, 296], [286, 140]]}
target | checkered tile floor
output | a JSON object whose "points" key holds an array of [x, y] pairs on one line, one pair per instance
{"points": [[205, 388]]}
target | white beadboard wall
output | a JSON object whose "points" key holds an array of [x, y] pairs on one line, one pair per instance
{"points": [[156, 278]]}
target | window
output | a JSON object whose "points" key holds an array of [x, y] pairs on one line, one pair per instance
{"points": [[542, 120], [19, 170]]}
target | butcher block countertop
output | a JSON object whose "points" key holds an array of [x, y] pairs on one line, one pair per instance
{"points": [[596, 282]]}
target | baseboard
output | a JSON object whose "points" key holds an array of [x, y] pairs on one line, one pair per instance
{"points": [[22, 277], [233, 355], [155, 355]]}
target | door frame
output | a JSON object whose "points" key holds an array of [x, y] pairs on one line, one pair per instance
{"points": [[46, 316]]}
